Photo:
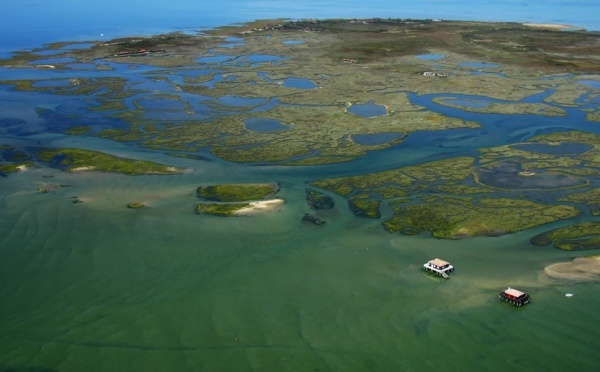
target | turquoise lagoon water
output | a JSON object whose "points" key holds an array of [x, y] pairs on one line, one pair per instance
{"points": [[95, 286]]}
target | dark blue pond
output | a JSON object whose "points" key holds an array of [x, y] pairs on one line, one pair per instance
{"points": [[233, 39], [430, 57], [565, 148], [300, 83], [375, 139], [368, 110], [590, 83], [264, 125], [240, 101], [507, 175], [232, 42], [254, 58]]}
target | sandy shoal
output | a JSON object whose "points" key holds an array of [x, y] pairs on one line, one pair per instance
{"points": [[582, 268], [261, 207], [554, 26]]}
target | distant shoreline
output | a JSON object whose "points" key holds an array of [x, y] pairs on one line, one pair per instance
{"points": [[21, 39]]}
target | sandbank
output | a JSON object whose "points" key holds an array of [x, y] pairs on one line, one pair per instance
{"points": [[261, 207], [553, 26], [580, 269]]}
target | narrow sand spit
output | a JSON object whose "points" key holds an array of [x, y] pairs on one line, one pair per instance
{"points": [[553, 26], [261, 207], [583, 268]]}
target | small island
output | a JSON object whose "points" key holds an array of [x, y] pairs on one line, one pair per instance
{"points": [[81, 160], [230, 200], [15, 167]]}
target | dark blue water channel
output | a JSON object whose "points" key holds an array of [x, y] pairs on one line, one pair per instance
{"points": [[495, 130]]}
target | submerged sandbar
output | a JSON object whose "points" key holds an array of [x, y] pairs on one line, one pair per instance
{"points": [[580, 269]]}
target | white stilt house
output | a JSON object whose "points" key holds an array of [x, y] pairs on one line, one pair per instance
{"points": [[438, 267]]}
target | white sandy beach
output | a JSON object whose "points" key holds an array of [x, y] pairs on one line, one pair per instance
{"points": [[261, 207]]}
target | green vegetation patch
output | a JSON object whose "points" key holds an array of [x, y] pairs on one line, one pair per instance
{"points": [[15, 167], [365, 208], [237, 192], [402, 181], [447, 199], [318, 200], [578, 237], [77, 160], [491, 217]]}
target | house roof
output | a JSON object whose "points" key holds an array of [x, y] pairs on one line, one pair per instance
{"points": [[438, 262], [514, 292]]}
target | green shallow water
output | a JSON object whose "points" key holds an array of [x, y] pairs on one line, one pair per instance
{"points": [[99, 287]]}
